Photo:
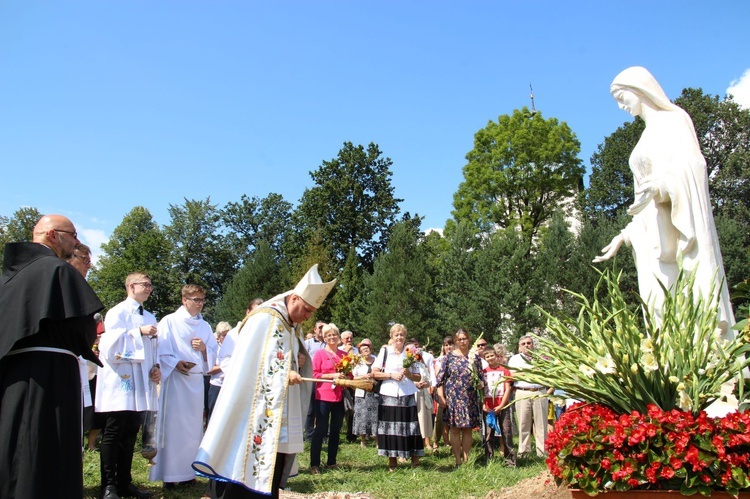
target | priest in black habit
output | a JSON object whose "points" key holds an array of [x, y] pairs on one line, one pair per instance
{"points": [[47, 309]]}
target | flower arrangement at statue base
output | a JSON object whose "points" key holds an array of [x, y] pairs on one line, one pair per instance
{"points": [[594, 448], [660, 398]]}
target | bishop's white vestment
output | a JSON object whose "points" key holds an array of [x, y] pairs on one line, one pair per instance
{"points": [[258, 414]]}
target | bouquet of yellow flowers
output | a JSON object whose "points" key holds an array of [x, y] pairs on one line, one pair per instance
{"points": [[413, 354], [347, 363]]}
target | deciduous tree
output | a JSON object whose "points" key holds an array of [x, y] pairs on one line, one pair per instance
{"points": [[200, 252], [352, 204], [136, 245], [522, 168], [18, 228], [253, 220]]}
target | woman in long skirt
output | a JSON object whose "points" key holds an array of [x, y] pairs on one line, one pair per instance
{"points": [[365, 403], [398, 427]]}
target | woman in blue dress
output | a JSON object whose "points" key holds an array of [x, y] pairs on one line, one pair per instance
{"points": [[458, 395]]}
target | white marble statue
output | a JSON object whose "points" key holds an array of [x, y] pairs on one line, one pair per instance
{"points": [[672, 217]]}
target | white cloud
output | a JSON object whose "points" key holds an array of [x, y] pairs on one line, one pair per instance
{"points": [[740, 90], [433, 229]]}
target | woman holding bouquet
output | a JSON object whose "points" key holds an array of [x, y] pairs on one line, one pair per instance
{"points": [[365, 403], [459, 387], [398, 427], [330, 399]]}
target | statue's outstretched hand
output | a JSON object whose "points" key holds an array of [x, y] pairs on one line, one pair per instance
{"points": [[611, 249]]}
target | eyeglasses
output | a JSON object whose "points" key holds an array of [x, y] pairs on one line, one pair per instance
{"points": [[199, 301], [85, 259], [146, 285], [481, 344], [72, 233], [527, 343]]}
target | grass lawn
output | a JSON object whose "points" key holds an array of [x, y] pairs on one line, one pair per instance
{"points": [[362, 470]]}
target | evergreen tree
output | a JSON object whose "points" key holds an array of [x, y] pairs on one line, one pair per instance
{"points": [[259, 277], [400, 290], [346, 305], [455, 305]]}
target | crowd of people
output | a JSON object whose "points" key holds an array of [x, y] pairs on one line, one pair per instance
{"points": [[235, 404]]}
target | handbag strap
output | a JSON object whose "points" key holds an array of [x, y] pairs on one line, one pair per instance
{"points": [[385, 356]]}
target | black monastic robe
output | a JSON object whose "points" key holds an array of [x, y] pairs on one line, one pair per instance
{"points": [[44, 302]]}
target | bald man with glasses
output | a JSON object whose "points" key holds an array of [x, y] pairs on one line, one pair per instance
{"points": [[48, 321]]}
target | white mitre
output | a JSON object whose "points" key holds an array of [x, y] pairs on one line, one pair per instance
{"points": [[312, 289]]}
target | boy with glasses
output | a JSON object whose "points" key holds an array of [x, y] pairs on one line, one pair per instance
{"points": [[187, 350], [123, 392]]}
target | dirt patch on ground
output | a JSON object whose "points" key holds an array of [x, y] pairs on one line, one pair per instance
{"points": [[539, 487]]}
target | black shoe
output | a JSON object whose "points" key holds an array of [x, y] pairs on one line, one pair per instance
{"points": [[170, 485], [132, 491], [110, 492]]}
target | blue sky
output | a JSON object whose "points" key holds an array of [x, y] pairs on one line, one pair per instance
{"points": [[106, 105]]}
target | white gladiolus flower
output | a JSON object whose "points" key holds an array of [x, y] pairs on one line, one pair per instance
{"points": [[684, 402], [606, 365], [673, 379], [647, 346], [648, 361], [587, 370]]}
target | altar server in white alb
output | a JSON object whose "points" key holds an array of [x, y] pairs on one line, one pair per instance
{"points": [[257, 425], [187, 350], [128, 352]]}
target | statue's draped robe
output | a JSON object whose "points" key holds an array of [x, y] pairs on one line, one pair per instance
{"points": [[679, 224]]}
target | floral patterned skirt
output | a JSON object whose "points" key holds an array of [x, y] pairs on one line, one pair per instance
{"points": [[366, 415], [398, 427]]}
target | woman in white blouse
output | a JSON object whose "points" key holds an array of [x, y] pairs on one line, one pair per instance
{"points": [[398, 427]]}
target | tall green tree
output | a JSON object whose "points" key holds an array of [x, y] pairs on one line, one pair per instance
{"points": [[457, 267], [400, 289], [506, 288], [18, 228], [346, 307], [352, 204], [521, 169], [259, 277], [253, 220], [316, 251], [136, 245], [200, 252], [553, 266]]}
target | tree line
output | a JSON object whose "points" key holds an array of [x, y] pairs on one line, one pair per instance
{"points": [[523, 230]]}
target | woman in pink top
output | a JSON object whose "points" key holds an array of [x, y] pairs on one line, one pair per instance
{"points": [[330, 406]]}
